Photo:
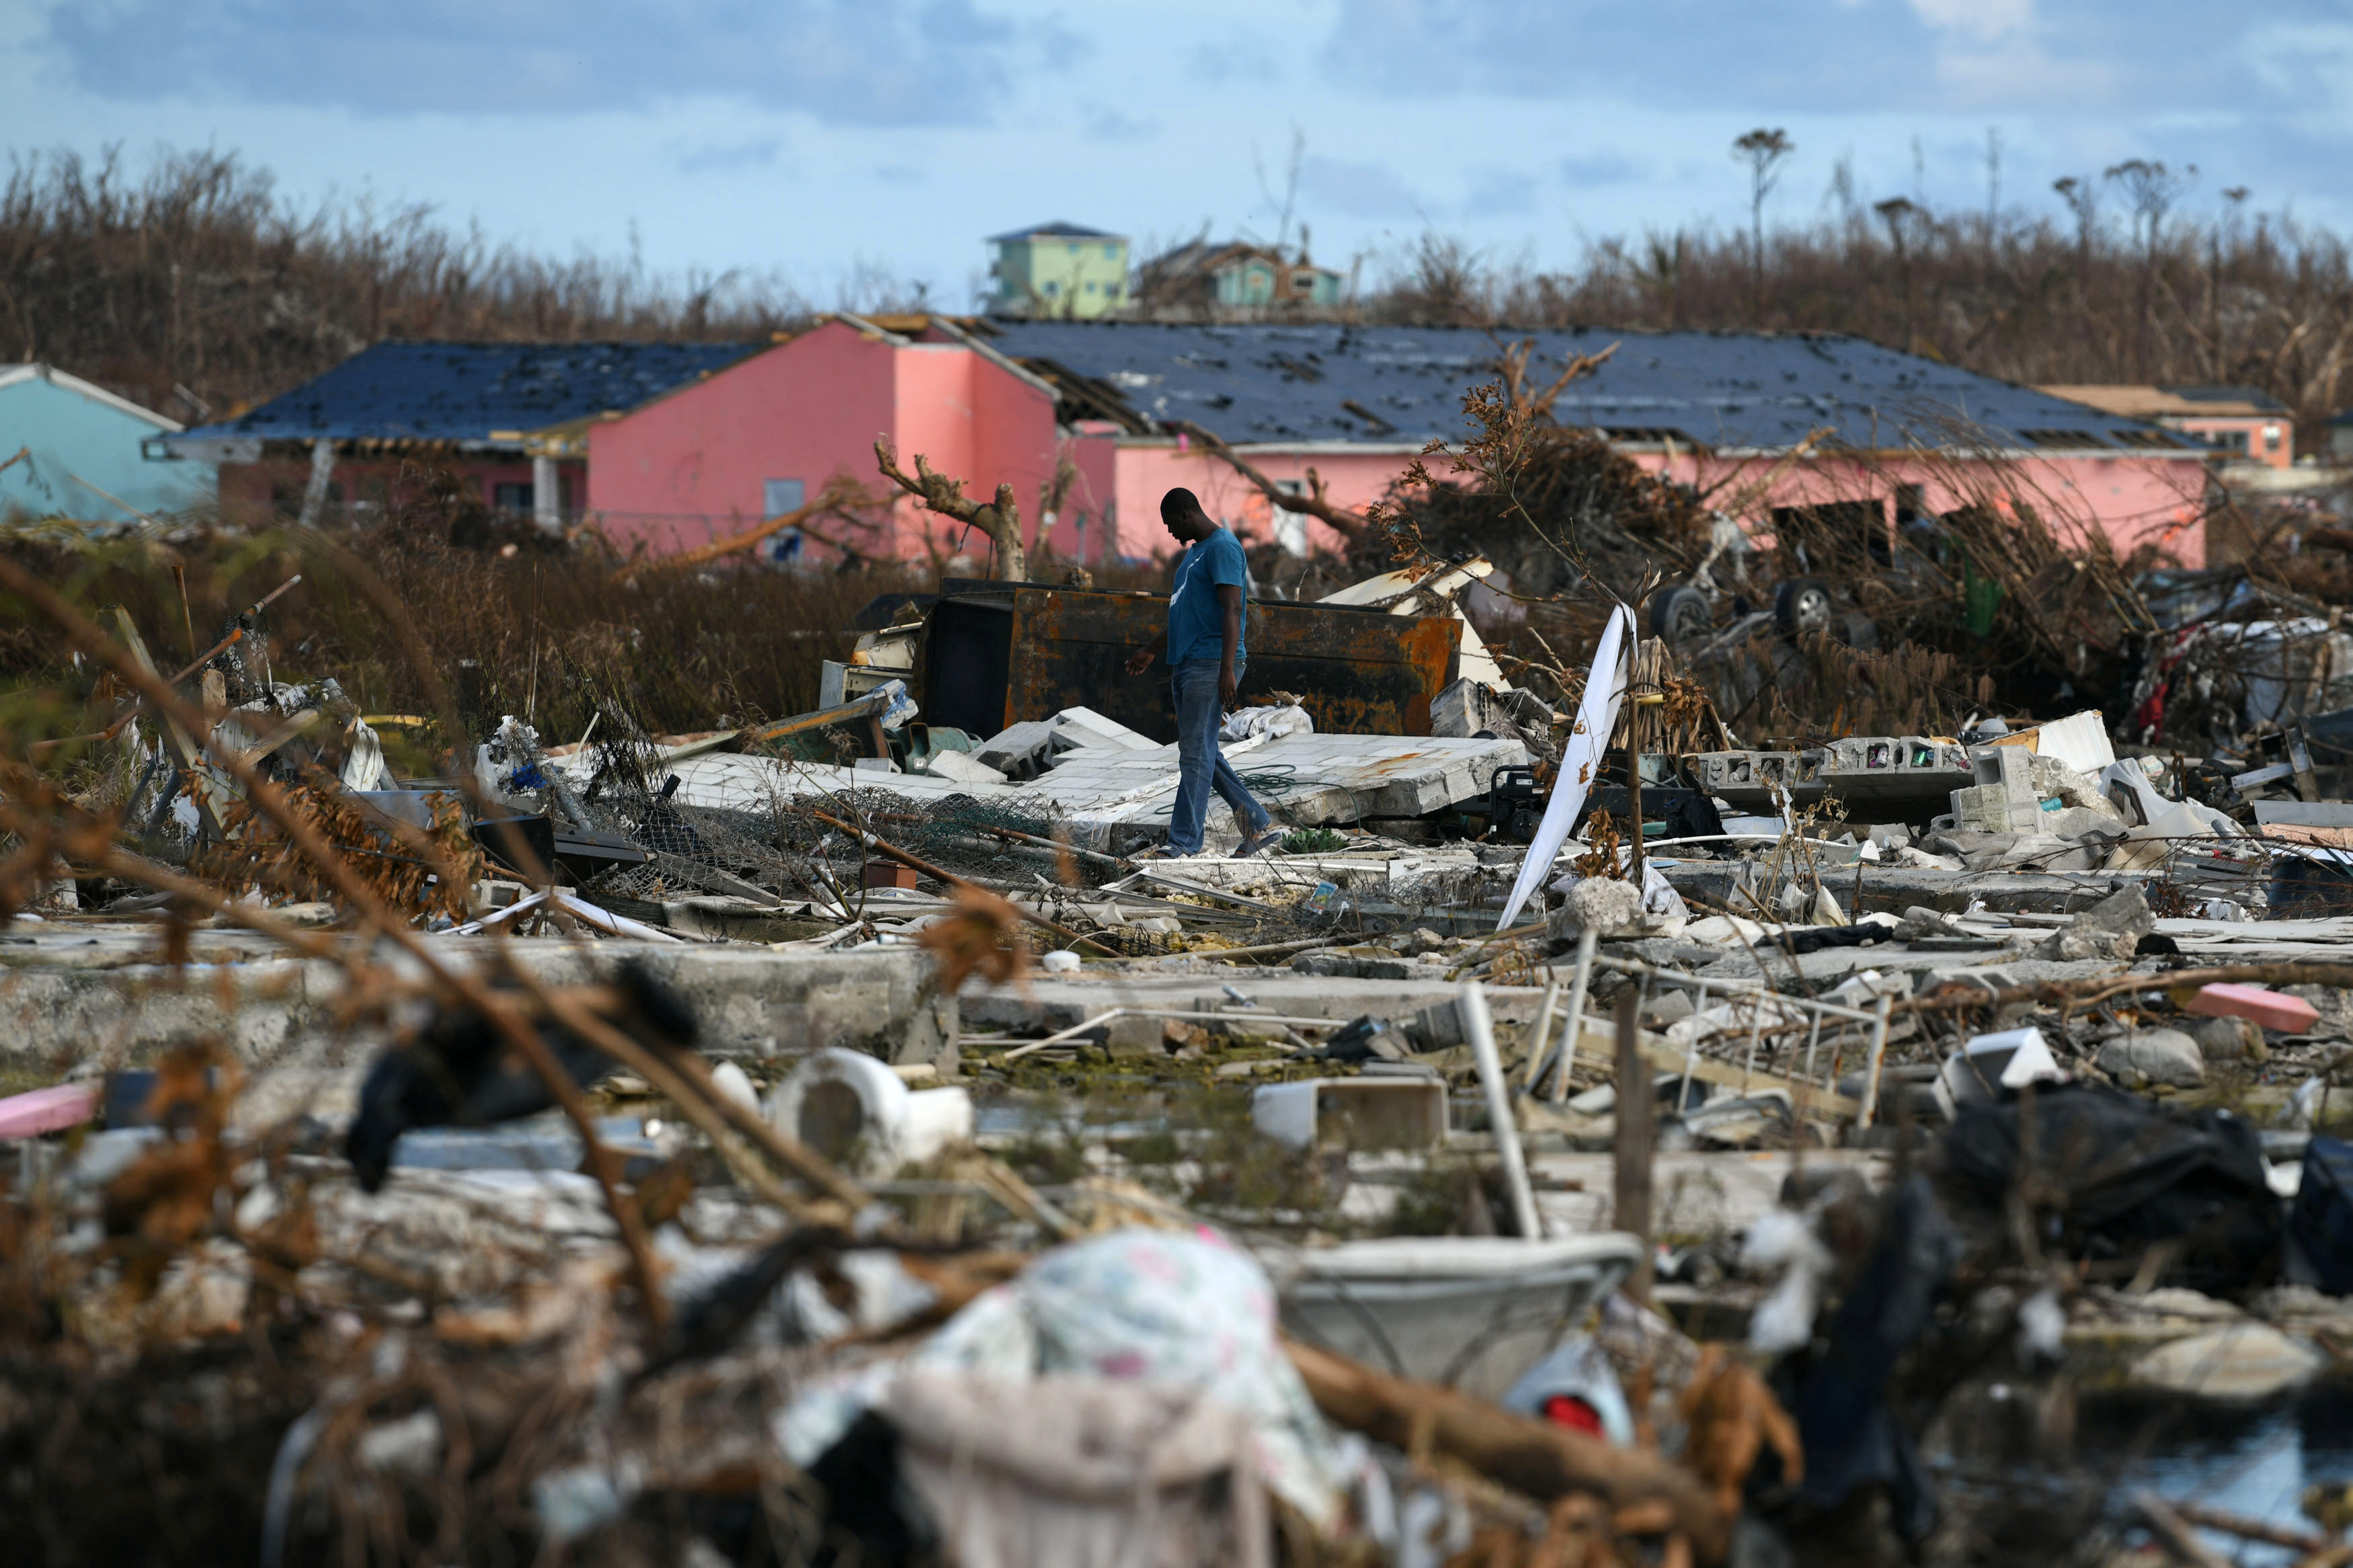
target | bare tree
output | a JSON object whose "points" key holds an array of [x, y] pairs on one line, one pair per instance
{"points": [[2082, 199], [1288, 203], [1898, 214], [1763, 152], [1000, 519], [1993, 189], [2151, 189], [1316, 503]]}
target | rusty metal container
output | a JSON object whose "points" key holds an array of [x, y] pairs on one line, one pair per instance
{"points": [[994, 654]]}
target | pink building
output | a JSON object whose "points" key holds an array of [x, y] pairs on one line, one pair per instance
{"points": [[667, 447], [757, 439], [2246, 424], [1760, 422]]}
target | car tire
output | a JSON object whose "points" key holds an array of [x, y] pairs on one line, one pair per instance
{"points": [[1680, 614], [1804, 605]]}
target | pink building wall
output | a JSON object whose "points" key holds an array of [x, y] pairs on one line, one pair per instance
{"points": [[691, 466], [2278, 452], [2134, 499], [1147, 469]]}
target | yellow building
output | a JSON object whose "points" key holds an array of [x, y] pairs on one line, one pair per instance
{"points": [[1058, 272]]}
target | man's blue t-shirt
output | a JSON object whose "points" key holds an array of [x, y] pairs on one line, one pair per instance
{"points": [[1197, 622]]}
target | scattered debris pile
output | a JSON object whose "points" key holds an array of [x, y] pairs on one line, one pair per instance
{"points": [[1583, 1138]]}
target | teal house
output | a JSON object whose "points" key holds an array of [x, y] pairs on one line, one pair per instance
{"points": [[1058, 271], [73, 450]]}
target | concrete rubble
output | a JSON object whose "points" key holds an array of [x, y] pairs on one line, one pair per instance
{"points": [[711, 1083]]}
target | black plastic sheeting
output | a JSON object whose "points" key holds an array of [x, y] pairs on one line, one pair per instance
{"points": [[2118, 1175], [2322, 1220], [1840, 1392]]}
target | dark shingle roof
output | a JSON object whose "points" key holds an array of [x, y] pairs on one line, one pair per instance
{"points": [[1276, 384], [2253, 397], [463, 392], [1058, 229]]}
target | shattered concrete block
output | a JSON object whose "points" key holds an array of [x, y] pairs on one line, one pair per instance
{"points": [[1464, 707], [1600, 904], [962, 767], [2152, 1056], [2230, 1039], [1132, 1038], [1437, 1027], [2004, 798], [1076, 729], [2081, 822], [1023, 751], [2110, 928]]}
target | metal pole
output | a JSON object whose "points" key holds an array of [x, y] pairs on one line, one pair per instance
{"points": [[1537, 1055], [1636, 1106], [1574, 1030], [1878, 1056], [1472, 1002], [1634, 766]]}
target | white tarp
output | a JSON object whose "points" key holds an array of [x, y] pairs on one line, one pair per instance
{"points": [[1597, 718]]}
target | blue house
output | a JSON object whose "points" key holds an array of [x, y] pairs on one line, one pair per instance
{"points": [[78, 452]]}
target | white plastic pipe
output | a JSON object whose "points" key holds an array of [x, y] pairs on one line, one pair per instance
{"points": [[1479, 1029]]}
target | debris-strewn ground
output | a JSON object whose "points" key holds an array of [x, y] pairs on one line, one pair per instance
{"points": [[498, 1071]]}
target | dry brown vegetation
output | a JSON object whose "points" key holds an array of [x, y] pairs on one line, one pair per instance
{"points": [[2114, 289], [195, 286], [549, 635]]}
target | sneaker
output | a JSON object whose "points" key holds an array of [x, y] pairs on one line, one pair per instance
{"points": [[1258, 843], [1161, 852]]}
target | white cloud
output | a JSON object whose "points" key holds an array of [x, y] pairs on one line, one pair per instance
{"points": [[1981, 21]]}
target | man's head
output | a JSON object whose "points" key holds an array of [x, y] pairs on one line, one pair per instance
{"points": [[1182, 515]]}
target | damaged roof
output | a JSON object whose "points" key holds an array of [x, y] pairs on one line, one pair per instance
{"points": [[471, 394], [1290, 384]]}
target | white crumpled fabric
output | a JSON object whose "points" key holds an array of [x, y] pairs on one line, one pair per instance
{"points": [[1274, 723], [1182, 1310]]}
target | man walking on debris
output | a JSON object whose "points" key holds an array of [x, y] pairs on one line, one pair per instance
{"points": [[1206, 654]]}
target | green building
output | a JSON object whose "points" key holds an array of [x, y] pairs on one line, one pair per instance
{"points": [[1058, 271]]}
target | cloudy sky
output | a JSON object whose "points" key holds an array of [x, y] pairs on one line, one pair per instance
{"points": [[810, 138]]}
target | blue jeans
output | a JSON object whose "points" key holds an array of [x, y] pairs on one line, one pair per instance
{"points": [[1200, 766]]}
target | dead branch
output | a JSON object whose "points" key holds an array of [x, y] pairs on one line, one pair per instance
{"points": [[925, 868], [1534, 1458], [1347, 524], [1515, 365], [999, 518], [269, 801], [839, 497]]}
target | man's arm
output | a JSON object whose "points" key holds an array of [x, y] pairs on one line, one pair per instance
{"points": [[1229, 596], [1141, 660]]}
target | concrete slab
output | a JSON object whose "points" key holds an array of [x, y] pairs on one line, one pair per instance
{"points": [[1111, 796], [1892, 887], [78, 993], [1057, 1001]]}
